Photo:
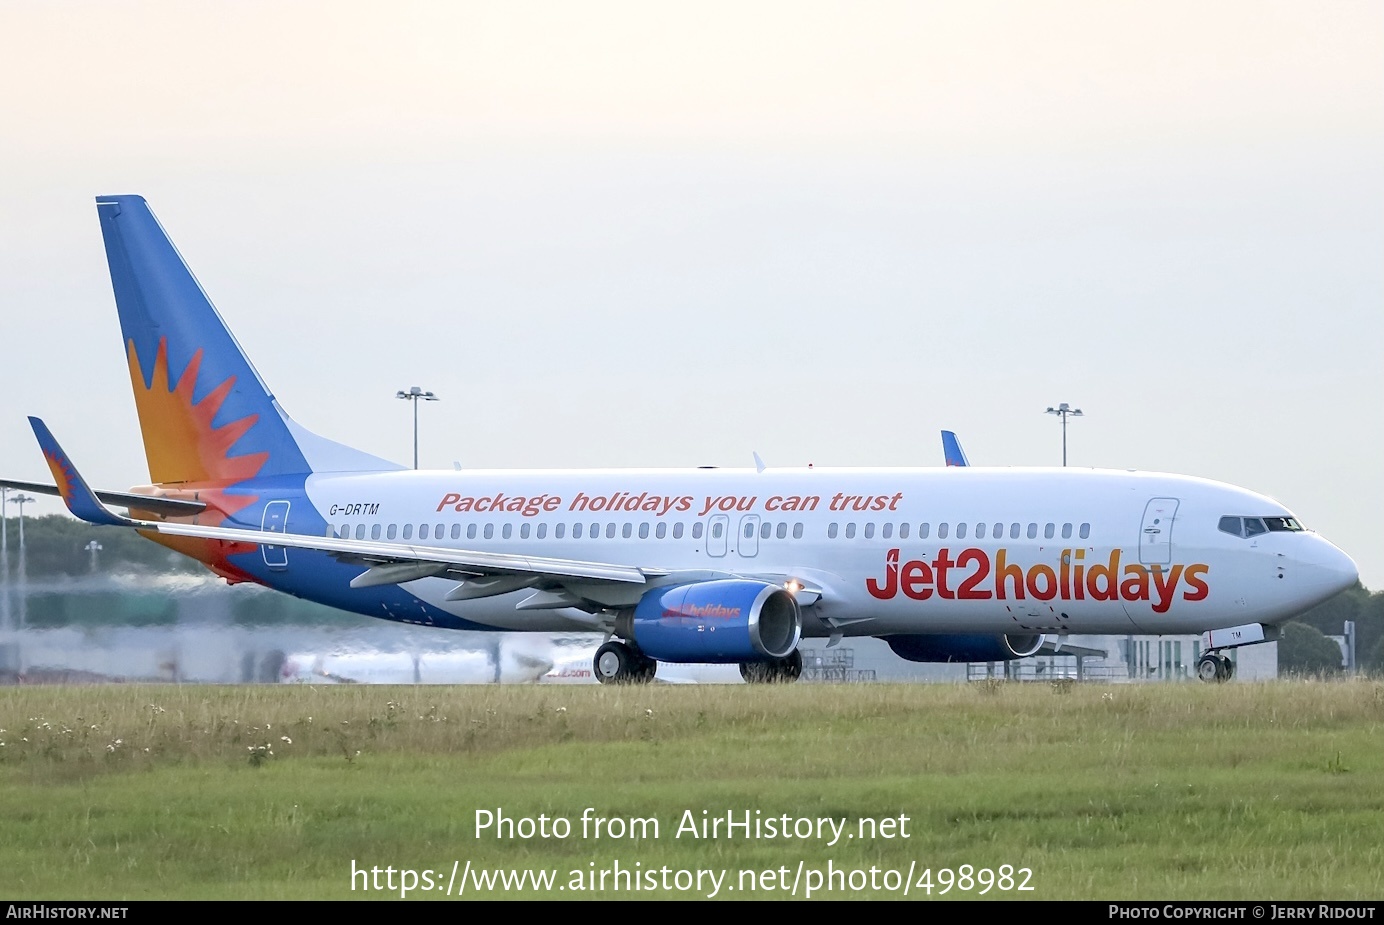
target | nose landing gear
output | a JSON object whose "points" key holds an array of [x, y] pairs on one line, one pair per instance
{"points": [[1215, 667]]}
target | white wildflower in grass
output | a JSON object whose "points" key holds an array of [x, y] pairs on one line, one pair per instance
{"points": [[562, 709], [286, 740]]}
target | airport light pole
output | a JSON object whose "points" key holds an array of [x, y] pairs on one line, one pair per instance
{"points": [[22, 500], [4, 523], [415, 395], [93, 547], [1064, 411]]}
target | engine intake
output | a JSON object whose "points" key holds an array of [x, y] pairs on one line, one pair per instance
{"points": [[724, 621]]}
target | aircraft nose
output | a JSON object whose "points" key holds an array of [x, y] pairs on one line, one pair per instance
{"points": [[1331, 570]]}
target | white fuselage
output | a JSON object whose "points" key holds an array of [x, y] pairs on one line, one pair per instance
{"points": [[892, 551]]}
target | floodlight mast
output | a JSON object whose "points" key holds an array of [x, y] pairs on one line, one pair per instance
{"points": [[415, 395], [1064, 411]]}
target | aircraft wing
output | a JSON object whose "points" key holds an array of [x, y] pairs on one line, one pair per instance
{"points": [[388, 563]]}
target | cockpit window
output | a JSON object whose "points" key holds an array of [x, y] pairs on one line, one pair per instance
{"points": [[1253, 526]]}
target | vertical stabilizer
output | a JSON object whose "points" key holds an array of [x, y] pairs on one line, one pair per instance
{"points": [[205, 413]]}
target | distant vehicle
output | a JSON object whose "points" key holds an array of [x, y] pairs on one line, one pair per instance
{"points": [[730, 566]]}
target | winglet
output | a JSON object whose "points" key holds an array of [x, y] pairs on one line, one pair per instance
{"points": [[78, 497], [951, 449], [758, 463]]}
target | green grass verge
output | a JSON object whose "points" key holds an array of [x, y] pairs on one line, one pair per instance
{"points": [[1242, 791]]}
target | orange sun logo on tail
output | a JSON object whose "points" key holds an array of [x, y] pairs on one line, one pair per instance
{"points": [[186, 452]]}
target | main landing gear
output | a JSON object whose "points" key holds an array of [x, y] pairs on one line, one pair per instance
{"points": [[617, 663], [784, 670], [1215, 667]]}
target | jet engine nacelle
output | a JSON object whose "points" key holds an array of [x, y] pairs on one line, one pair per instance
{"points": [[730, 620], [961, 648]]}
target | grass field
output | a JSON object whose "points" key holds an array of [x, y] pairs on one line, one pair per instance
{"points": [[1251, 791]]}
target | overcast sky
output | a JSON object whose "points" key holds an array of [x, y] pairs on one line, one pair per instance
{"points": [[645, 234]]}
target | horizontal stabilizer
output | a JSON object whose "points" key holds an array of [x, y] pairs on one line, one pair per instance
{"points": [[162, 507]]}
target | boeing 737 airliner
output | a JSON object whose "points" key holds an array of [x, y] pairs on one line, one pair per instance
{"points": [[682, 565]]}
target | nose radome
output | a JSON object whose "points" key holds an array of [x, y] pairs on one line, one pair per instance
{"points": [[1336, 571]]}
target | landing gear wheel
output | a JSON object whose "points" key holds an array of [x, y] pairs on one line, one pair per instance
{"points": [[1215, 667], [784, 670], [791, 667], [1209, 668], [1227, 668], [756, 672], [648, 667], [615, 663]]}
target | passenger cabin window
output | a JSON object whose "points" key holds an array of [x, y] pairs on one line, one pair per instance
{"points": [[765, 529], [677, 531], [961, 531], [576, 531], [749, 531], [869, 531], [1014, 531], [903, 531], [1085, 531], [423, 531], [392, 532], [375, 532], [797, 531], [661, 530], [523, 531], [360, 531], [1033, 531], [408, 531], [489, 530], [470, 531], [1049, 530], [831, 531], [543, 531], [1066, 531], [941, 531], [716, 530], [507, 531], [558, 531], [626, 531], [850, 531], [644, 531], [782, 530], [923, 530]]}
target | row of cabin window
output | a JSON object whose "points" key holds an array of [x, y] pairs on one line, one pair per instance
{"points": [[944, 531], [487, 531]]}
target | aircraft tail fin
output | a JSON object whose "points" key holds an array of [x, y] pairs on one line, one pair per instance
{"points": [[205, 413], [951, 449]]}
